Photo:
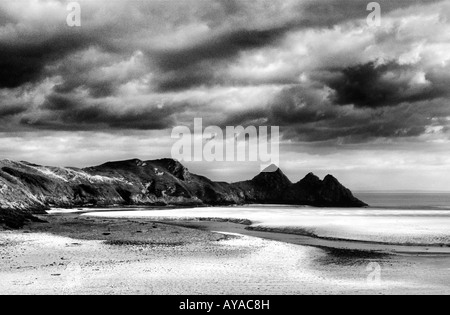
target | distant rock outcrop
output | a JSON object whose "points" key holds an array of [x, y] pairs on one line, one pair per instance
{"points": [[27, 188]]}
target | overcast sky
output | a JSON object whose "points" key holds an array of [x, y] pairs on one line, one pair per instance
{"points": [[367, 104]]}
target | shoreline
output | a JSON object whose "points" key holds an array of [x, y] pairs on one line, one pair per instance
{"points": [[318, 242]]}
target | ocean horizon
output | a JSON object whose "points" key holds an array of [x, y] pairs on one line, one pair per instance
{"points": [[405, 200]]}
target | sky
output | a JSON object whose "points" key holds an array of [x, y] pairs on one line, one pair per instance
{"points": [[368, 104]]}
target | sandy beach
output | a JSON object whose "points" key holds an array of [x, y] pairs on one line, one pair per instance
{"points": [[73, 254]]}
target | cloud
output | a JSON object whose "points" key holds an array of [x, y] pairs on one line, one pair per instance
{"points": [[199, 64], [62, 112], [389, 84], [222, 46], [312, 67], [307, 114], [203, 60], [25, 52], [12, 110], [100, 73]]}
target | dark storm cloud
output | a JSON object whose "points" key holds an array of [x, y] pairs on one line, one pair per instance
{"points": [[25, 61], [391, 84], [198, 64], [219, 47], [12, 110], [193, 76], [60, 102], [62, 112], [388, 125], [305, 115], [372, 85]]}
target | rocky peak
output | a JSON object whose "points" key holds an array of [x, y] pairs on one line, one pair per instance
{"points": [[330, 179], [334, 193], [311, 178], [272, 177], [310, 182], [271, 169]]}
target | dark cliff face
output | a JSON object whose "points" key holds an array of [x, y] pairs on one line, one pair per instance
{"points": [[327, 193], [28, 188], [273, 187], [267, 187]]}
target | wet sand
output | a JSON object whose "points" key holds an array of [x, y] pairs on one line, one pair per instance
{"points": [[87, 255], [290, 236]]}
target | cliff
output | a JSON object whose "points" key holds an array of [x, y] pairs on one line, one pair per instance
{"points": [[27, 188]]}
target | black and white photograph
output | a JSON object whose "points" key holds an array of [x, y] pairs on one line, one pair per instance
{"points": [[224, 149]]}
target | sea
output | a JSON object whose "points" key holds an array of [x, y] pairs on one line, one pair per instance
{"points": [[406, 200]]}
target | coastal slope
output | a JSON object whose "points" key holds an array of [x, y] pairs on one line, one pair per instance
{"points": [[27, 188]]}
